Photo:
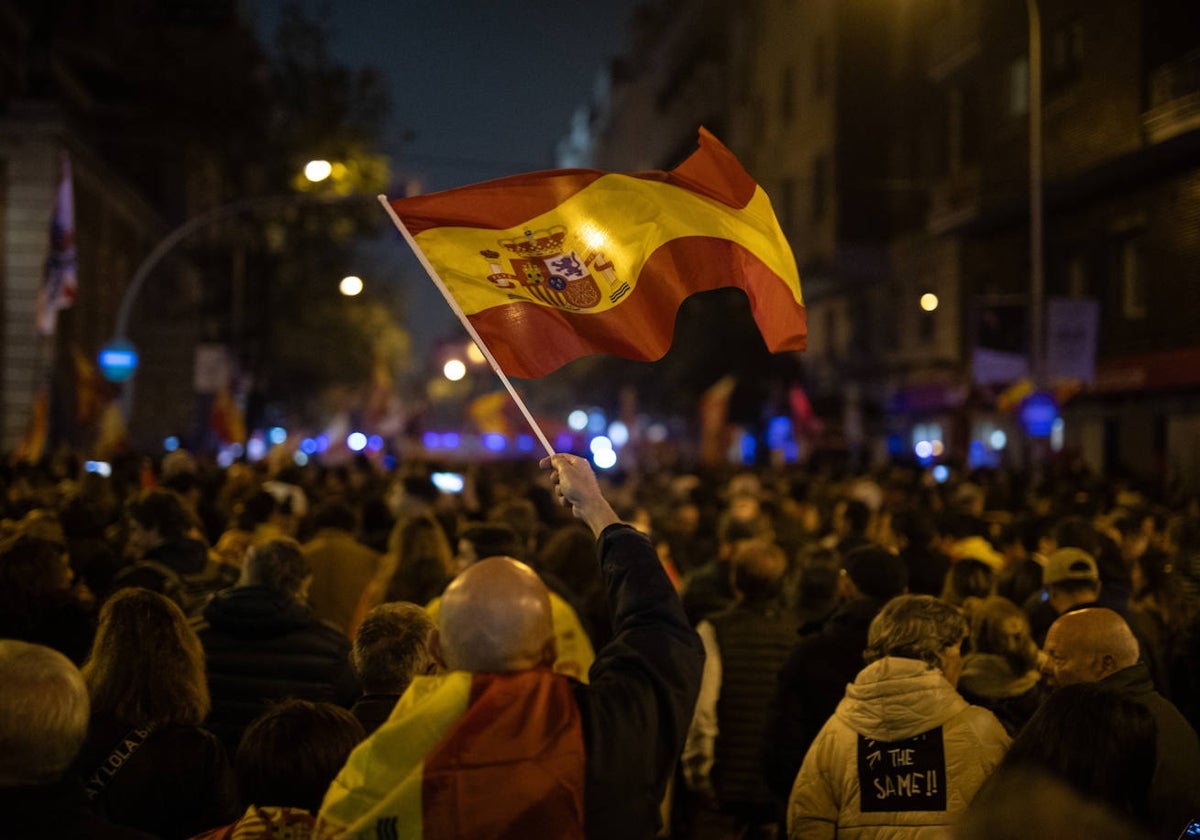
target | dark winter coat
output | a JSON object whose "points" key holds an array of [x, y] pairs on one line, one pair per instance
{"points": [[177, 783], [810, 686], [261, 646], [1175, 787]]}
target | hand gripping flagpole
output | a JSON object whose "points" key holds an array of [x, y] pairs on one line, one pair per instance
{"points": [[462, 317]]}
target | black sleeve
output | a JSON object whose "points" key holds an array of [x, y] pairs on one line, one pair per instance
{"points": [[644, 683], [788, 734]]}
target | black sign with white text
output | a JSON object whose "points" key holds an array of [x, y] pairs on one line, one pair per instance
{"points": [[908, 775]]}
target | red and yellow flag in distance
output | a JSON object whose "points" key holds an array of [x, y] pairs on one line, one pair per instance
{"points": [[551, 266]]}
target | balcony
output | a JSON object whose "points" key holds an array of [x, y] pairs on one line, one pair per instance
{"points": [[1174, 99]]}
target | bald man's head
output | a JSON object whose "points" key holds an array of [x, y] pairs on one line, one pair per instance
{"points": [[1088, 645], [495, 617]]}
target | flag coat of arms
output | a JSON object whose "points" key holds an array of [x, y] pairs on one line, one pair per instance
{"points": [[551, 266]]}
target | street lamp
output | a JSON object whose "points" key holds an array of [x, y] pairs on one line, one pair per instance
{"points": [[929, 301], [351, 286], [318, 170], [454, 370]]}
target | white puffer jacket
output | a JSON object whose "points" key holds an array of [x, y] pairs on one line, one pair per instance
{"points": [[928, 780]]}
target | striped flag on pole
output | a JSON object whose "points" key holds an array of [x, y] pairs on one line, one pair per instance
{"points": [[59, 281], [551, 266]]}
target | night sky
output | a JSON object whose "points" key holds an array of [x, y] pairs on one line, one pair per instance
{"points": [[487, 86]]}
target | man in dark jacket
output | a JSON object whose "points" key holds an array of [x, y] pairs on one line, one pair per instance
{"points": [[814, 677], [262, 643], [1096, 645], [390, 648], [744, 647], [501, 746]]}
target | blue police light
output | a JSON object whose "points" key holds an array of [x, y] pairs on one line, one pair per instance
{"points": [[749, 448], [605, 459], [940, 473], [597, 423], [277, 435], [171, 443], [374, 443], [451, 440], [431, 440], [1037, 414], [308, 446], [494, 442], [256, 448], [118, 360], [618, 433], [524, 443], [779, 432]]}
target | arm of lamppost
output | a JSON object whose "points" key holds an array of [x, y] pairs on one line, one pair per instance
{"points": [[1037, 335], [164, 247]]}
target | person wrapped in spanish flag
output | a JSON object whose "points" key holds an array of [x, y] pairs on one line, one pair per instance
{"points": [[500, 746]]}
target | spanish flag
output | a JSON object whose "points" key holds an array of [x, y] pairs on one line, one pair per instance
{"points": [[466, 756], [552, 266]]}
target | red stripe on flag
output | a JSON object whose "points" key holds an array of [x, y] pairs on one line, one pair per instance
{"points": [[512, 767], [529, 340]]}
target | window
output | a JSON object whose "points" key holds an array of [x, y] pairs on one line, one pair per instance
{"points": [[787, 95], [1133, 280], [820, 187], [1018, 86], [820, 81], [1066, 56], [1077, 285]]}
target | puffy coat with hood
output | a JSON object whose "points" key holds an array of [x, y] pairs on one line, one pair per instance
{"points": [[892, 700]]}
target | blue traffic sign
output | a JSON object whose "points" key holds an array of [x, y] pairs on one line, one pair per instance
{"points": [[118, 360]]}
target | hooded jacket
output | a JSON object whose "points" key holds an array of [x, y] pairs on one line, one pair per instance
{"points": [[903, 740], [988, 680], [261, 646]]}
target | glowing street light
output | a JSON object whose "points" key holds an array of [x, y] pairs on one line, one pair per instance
{"points": [[454, 370], [929, 301], [318, 170], [350, 286]]}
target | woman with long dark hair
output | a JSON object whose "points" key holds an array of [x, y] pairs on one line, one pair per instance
{"points": [[147, 762], [418, 565], [1001, 671]]}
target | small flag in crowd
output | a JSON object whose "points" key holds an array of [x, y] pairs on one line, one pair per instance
{"points": [[32, 445], [59, 281], [226, 419], [420, 776], [551, 266]]}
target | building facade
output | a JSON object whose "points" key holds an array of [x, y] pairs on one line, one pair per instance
{"points": [[894, 141]]}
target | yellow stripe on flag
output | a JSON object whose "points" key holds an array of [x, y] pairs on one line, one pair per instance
{"points": [[624, 218], [382, 779]]}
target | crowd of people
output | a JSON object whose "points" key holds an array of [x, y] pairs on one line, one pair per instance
{"points": [[269, 651]]}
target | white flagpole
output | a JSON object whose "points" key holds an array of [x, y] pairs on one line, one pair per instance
{"points": [[462, 317]]}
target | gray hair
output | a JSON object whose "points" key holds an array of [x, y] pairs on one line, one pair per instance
{"points": [[915, 627], [44, 713], [391, 647], [277, 564]]}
